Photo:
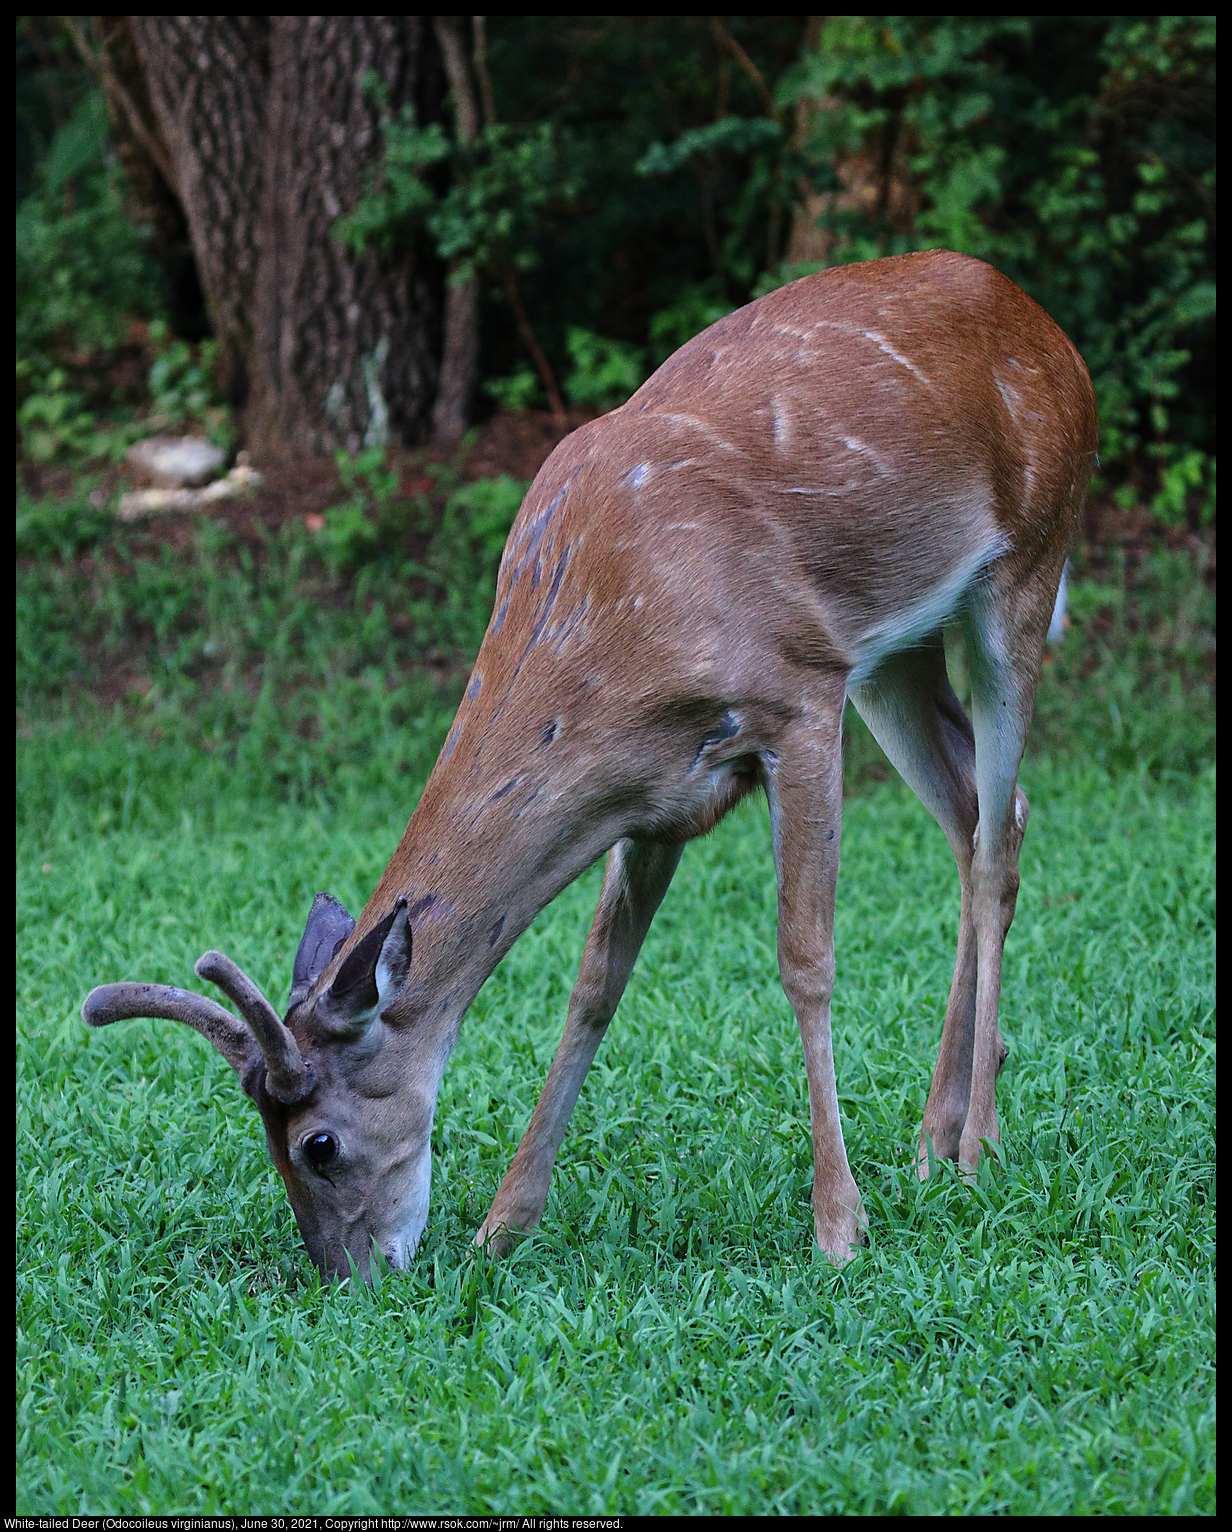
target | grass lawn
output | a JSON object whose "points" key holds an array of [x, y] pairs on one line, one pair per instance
{"points": [[669, 1341]]}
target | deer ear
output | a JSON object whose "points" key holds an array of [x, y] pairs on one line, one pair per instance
{"points": [[376, 969], [328, 927], [394, 963]]}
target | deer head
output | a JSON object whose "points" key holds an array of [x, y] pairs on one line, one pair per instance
{"points": [[312, 1073]]}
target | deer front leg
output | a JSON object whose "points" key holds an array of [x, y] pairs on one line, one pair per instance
{"points": [[804, 783], [635, 880]]}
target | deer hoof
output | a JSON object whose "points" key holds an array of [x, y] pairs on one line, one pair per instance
{"points": [[841, 1231], [945, 1144], [499, 1234], [975, 1143]]}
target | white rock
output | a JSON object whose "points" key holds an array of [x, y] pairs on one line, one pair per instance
{"points": [[172, 462]]}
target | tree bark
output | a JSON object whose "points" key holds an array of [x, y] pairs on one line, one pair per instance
{"points": [[271, 126], [460, 348], [206, 77]]}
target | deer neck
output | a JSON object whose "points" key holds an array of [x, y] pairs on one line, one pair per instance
{"points": [[516, 808]]}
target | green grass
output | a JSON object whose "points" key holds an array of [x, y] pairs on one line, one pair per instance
{"points": [[669, 1341]]}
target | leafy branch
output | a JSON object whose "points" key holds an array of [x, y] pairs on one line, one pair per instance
{"points": [[487, 220]]}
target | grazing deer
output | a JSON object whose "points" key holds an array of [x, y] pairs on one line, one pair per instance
{"points": [[780, 519]]}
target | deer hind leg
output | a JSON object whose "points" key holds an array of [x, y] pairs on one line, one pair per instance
{"points": [[912, 711], [804, 782], [635, 880], [1006, 624]]}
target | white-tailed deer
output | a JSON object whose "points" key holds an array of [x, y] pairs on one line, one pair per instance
{"points": [[780, 519]]}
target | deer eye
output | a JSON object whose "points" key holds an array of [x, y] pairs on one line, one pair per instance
{"points": [[320, 1149]]}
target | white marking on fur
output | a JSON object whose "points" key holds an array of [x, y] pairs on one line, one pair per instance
{"points": [[924, 616], [782, 425], [1009, 397], [897, 356], [854, 444], [1056, 628], [700, 425]]}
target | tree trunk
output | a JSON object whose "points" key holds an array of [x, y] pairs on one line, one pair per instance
{"points": [[271, 125], [460, 349], [207, 80]]}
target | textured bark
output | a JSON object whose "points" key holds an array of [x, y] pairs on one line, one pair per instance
{"points": [[460, 347], [207, 82], [272, 125], [346, 346]]}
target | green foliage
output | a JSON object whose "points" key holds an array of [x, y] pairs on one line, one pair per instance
{"points": [[574, 205], [481, 513], [59, 529], [54, 423], [370, 532], [247, 647], [248, 662], [519, 391], [1075, 154], [181, 380], [737, 135], [646, 172], [459, 568], [1186, 481], [372, 516], [747, 151], [1132, 686], [49, 82], [695, 309], [84, 276], [52, 419], [604, 372], [83, 271], [491, 212]]}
